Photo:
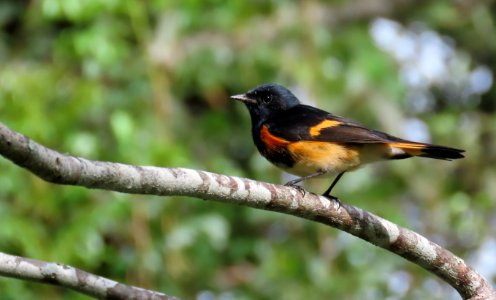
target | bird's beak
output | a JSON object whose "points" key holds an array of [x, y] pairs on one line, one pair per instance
{"points": [[244, 98]]}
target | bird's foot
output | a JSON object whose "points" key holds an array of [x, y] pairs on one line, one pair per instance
{"points": [[333, 198], [298, 187]]}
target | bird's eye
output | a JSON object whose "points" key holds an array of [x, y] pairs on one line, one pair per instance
{"points": [[266, 99]]}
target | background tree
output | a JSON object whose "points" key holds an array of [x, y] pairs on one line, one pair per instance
{"points": [[148, 83]]}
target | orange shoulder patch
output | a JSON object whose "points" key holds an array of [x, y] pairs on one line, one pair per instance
{"points": [[272, 142], [315, 130]]}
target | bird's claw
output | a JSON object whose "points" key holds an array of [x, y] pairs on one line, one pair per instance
{"points": [[333, 198], [298, 187]]}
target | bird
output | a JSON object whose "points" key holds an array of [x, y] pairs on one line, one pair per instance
{"points": [[309, 142]]}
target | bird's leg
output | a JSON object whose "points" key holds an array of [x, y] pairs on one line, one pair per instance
{"points": [[293, 183], [297, 180], [327, 193]]}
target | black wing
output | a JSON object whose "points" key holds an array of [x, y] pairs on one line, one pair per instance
{"points": [[307, 123]]}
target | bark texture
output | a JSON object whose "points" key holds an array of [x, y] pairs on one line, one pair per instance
{"points": [[60, 168]]}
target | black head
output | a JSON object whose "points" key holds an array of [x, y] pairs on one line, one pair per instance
{"points": [[266, 100]]}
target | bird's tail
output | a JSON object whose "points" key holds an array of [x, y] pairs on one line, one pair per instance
{"points": [[407, 149]]}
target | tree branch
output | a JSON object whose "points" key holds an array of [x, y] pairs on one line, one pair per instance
{"points": [[72, 278], [58, 168]]}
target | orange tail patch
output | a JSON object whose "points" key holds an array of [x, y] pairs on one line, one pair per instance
{"points": [[428, 150], [412, 149]]}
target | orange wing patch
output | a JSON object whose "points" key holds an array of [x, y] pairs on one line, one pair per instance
{"points": [[315, 130], [272, 142]]}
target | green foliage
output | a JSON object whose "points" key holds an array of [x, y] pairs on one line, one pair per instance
{"points": [[147, 83]]}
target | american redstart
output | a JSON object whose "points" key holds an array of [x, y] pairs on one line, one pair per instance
{"points": [[309, 142]]}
